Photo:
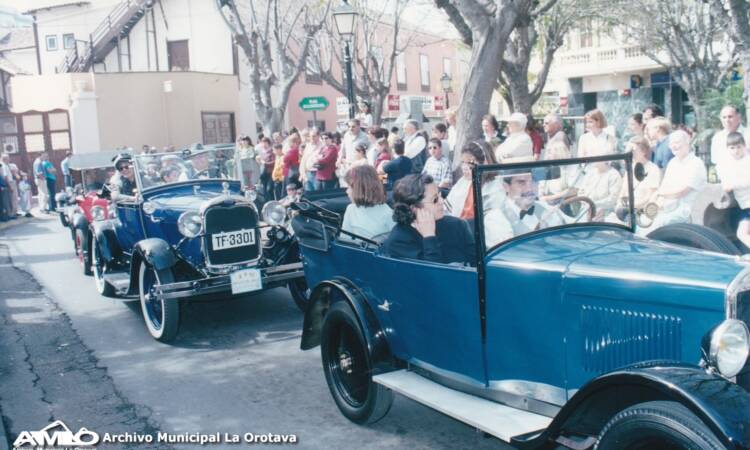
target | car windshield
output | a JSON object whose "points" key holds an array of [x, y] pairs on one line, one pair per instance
{"points": [[166, 168], [524, 198], [94, 179]]}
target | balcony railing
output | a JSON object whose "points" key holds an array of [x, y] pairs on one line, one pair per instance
{"points": [[602, 58]]}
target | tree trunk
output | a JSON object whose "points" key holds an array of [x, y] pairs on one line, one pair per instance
{"points": [[744, 59], [519, 92], [376, 108], [475, 100]]}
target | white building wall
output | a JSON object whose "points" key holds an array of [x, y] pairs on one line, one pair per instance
{"points": [[198, 21], [78, 20]]}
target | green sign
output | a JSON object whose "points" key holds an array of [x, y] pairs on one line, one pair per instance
{"points": [[313, 104]]}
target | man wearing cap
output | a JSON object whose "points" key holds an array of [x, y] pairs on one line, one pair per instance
{"points": [[201, 167], [123, 182], [518, 146]]}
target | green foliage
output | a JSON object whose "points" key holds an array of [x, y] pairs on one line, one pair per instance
{"points": [[715, 99]]}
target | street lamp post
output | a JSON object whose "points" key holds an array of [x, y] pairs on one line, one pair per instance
{"points": [[445, 83], [345, 17]]}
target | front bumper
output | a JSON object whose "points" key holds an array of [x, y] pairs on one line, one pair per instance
{"points": [[271, 277]]}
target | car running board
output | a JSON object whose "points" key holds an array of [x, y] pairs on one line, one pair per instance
{"points": [[493, 418], [120, 281]]}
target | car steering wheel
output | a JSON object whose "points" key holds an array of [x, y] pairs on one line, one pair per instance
{"points": [[557, 210]]}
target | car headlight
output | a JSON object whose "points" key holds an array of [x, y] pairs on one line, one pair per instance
{"points": [[274, 213], [727, 346], [190, 224], [97, 212]]}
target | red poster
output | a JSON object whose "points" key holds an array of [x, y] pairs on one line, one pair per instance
{"points": [[393, 102], [439, 102]]}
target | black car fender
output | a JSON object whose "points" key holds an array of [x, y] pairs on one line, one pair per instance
{"points": [[323, 296], [156, 252], [721, 404], [106, 240]]}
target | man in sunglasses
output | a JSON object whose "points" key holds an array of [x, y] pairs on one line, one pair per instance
{"points": [[123, 181]]}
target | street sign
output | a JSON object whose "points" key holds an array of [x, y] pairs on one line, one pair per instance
{"points": [[313, 104]]}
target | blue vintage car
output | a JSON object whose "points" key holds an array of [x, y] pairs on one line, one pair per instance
{"points": [[570, 332], [188, 229]]}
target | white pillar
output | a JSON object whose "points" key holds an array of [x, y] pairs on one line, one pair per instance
{"points": [[84, 121]]}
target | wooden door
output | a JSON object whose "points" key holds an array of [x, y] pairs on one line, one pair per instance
{"points": [[218, 127]]}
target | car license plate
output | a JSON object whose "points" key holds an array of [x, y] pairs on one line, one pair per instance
{"points": [[232, 239], [246, 280]]}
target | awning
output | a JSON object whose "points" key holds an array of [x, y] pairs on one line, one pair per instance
{"points": [[93, 160]]}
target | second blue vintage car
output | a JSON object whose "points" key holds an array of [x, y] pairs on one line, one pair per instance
{"points": [[187, 228], [569, 332]]}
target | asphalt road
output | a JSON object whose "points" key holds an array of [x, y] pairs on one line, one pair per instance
{"points": [[67, 353]]}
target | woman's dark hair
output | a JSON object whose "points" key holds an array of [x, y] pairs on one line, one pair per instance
{"points": [[337, 138], [638, 117], [247, 140], [407, 193], [483, 154], [361, 148], [440, 127], [398, 147], [394, 130], [266, 139], [326, 134], [367, 189], [655, 110], [491, 119]]}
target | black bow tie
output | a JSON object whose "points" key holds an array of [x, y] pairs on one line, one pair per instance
{"points": [[528, 212]]}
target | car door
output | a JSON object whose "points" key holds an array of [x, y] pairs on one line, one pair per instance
{"points": [[130, 230], [431, 312], [525, 326]]}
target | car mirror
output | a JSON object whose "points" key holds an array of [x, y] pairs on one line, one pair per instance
{"points": [[311, 233]]}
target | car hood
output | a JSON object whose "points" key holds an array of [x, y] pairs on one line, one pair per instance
{"points": [[581, 254]]}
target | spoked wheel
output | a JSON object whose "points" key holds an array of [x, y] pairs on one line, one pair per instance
{"points": [[97, 263], [300, 293], [657, 425], [162, 317], [82, 250], [348, 369]]}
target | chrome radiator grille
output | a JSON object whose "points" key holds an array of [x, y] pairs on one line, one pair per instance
{"points": [[223, 218]]}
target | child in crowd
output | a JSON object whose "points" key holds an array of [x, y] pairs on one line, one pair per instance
{"points": [[360, 156], [293, 194], [384, 153], [278, 170], [438, 166], [24, 194], [734, 178]]}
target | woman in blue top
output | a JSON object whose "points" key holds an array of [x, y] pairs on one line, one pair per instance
{"points": [[368, 215]]}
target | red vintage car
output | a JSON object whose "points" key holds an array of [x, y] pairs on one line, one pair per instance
{"points": [[81, 206]]}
